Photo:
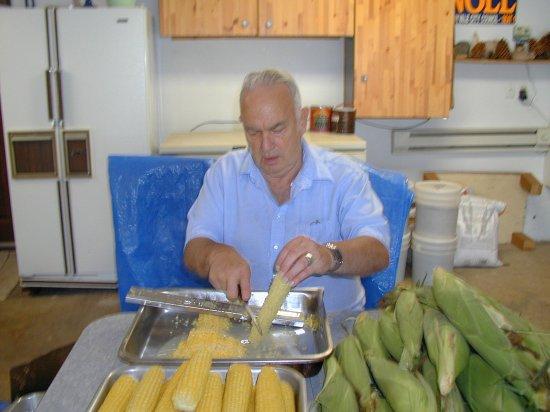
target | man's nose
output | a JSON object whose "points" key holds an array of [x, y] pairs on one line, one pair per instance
{"points": [[267, 141]]}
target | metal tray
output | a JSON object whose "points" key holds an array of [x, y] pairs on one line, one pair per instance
{"points": [[155, 333], [289, 375]]}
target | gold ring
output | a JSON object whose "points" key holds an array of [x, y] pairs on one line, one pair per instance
{"points": [[309, 258]]}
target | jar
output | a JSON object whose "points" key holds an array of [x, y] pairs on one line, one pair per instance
{"points": [[319, 118]]}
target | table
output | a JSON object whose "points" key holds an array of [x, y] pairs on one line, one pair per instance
{"points": [[95, 355]]}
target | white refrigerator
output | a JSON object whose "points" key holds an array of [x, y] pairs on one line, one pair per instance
{"points": [[76, 85]]}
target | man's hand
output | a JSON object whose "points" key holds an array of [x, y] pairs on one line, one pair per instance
{"points": [[229, 272], [295, 266]]}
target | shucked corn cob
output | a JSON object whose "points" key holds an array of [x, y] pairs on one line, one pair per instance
{"points": [[277, 294], [147, 392], [218, 343], [165, 403], [251, 401], [192, 383], [213, 395], [119, 395], [288, 396], [269, 395], [238, 388]]}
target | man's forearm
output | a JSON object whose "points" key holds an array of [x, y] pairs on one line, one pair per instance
{"points": [[197, 253], [362, 256]]}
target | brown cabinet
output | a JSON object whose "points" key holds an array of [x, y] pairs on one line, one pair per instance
{"points": [[403, 58], [248, 18]]}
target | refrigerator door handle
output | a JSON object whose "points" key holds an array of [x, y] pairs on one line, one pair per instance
{"points": [[59, 196], [49, 95], [59, 94]]}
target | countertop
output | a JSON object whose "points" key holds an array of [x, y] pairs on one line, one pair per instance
{"points": [[205, 143], [95, 355]]}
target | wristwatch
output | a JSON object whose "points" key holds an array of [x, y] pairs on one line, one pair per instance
{"points": [[337, 259]]}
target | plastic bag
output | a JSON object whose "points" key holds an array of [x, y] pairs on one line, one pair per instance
{"points": [[477, 232]]}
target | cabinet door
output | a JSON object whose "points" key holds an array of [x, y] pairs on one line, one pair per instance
{"points": [[208, 18], [306, 18], [403, 58]]}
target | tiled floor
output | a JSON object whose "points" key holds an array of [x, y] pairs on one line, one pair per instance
{"points": [[33, 323]]}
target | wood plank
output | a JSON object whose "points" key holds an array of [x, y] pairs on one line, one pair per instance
{"points": [[430, 176], [522, 241], [306, 18], [530, 184], [499, 61]]}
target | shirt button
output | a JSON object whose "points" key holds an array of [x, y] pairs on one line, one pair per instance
{"points": [[276, 247], [278, 216]]}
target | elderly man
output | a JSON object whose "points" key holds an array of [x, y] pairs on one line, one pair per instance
{"points": [[283, 205]]}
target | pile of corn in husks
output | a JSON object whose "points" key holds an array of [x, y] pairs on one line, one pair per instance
{"points": [[441, 348]]}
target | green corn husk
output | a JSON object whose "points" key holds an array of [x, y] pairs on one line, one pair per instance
{"points": [[485, 390], [367, 331], [390, 298], [447, 349], [425, 295], [430, 374], [351, 360], [431, 402], [409, 314], [453, 402], [389, 333], [465, 308], [337, 394], [376, 404], [403, 391]]}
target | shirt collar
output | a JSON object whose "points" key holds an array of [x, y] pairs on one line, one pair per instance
{"points": [[313, 168]]}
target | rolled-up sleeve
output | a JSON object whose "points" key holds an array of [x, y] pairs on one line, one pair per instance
{"points": [[205, 218], [361, 212]]}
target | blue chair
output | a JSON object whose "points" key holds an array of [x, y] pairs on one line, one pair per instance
{"points": [[151, 196], [394, 193]]}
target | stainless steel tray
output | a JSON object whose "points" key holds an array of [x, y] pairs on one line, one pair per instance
{"points": [[155, 333], [289, 375]]}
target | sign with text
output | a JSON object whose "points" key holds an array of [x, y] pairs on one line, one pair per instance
{"points": [[485, 11]]}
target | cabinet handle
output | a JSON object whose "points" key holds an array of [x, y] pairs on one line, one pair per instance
{"points": [[364, 78], [245, 23], [49, 95], [268, 24]]}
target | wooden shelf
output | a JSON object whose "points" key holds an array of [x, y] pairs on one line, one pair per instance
{"points": [[500, 61]]}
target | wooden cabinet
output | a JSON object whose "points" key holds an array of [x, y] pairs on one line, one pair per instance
{"points": [[306, 18], [248, 18], [208, 18], [403, 58]]}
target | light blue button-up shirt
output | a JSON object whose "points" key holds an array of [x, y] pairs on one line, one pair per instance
{"points": [[331, 199]]}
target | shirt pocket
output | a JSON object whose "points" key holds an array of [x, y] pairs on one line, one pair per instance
{"points": [[319, 229]]}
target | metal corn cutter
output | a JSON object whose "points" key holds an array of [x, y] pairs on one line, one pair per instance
{"points": [[235, 311]]}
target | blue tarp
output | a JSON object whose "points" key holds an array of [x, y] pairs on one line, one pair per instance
{"points": [[151, 196]]}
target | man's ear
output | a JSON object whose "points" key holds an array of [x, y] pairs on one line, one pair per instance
{"points": [[304, 113]]}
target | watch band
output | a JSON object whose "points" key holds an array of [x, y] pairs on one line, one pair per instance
{"points": [[337, 259]]}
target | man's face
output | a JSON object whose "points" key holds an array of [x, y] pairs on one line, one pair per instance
{"points": [[272, 130]]}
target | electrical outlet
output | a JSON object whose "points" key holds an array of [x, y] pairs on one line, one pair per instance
{"points": [[543, 136]]}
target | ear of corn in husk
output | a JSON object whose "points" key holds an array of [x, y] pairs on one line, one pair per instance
{"points": [[430, 375], [337, 394], [447, 348], [119, 395], [431, 400], [464, 307], [403, 391], [409, 315], [268, 392], [351, 360], [485, 390], [376, 404], [389, 333], [367, 331], [425, 296], [453, 402], [278, 291]]}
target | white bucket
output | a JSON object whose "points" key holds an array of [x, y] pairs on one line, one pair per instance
{"points": [[436, 208], [405, 243], [429, 253]]}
